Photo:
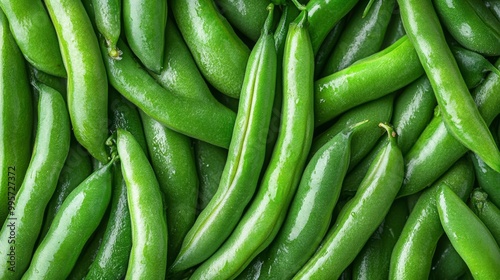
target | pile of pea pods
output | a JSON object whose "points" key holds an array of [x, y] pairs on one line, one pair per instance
{"points": [[263, 139]]}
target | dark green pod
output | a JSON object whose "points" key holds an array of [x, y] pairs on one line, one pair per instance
{"points": [[246, 16], [487, 212], [487, 179], [446, 263]]}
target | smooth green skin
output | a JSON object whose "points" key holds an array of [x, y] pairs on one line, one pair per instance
{"points": [[52, 81], [413, 110], [323, 15], [76, 169], [246, 16], [446, 263], [374, 260], [494, 6], [73, 225], [487, 212], [362, 36], [246, 153], [436, 149], [87, 83], [144, 27], [412, 254], [364, 139], [147, 215], [477, 247], [195, 118], [472, 65], [51, 148], [31, 26], [459, 112], [327, 46], [368, 79], [172, 158], [210, 162], [111, 261], [360, 217], [471, 23], [395, 30], [108, 15], [16, 118], [487, 179], [220, 55], [311, 209], [261, 222]]}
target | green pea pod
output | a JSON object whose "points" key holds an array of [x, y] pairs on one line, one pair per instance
{"points": [[24, 221], [246, 16], [172, 158], [77, 168], [459, 113], [471, 23], [395, 29], [246, 152], [328, 45], [147, 216], [77, 219], [323, 15], [195, 118], [210, 162], [412, 254], [487, 179], [108, 22], [111, 261], [144, 27], [374, 260], [87, 83], [31, 27], [472, 65], [494, 6], [436, 149], [311, 209], [54, 82], [360, 217], [366, 80], [446, 263], [16, 115], [487, 212], [365, 138], [264, 216], [362, 36], [224, 68], [477, 247]]}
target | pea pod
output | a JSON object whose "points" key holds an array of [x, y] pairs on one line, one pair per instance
{"points": [[246, 16], [494, 7], [246, 152], [478, 248], [459, 113], [366, 80], [24, 221], [224, 68], [412, 254], [472, 65], [77, 219], [108, 22], [147, 216], [264, 216], [487, 212], [31, 26], [487, 179], [446, 263], [87, 83], [395, 29], [16, 115], [360, 217], [472, 24], [327, 46]]}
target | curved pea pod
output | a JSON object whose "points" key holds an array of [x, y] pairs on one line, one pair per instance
{"points": [[265, 214], [487, 179], [148, 255], [472, 65], [471, 23], [246, 16], [366, 80], [469, 236], [374, 260], [311, 209], [31, 26], [395, 29], [447, 263], [220, 55], [108, 14], [246, 152], [16, 115], [412, 254], [212, 123], [87, 82], [362, 36], [327, 46], [360, 217], [25, 217], [494, 6], [77, 219], [487, 212]]}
